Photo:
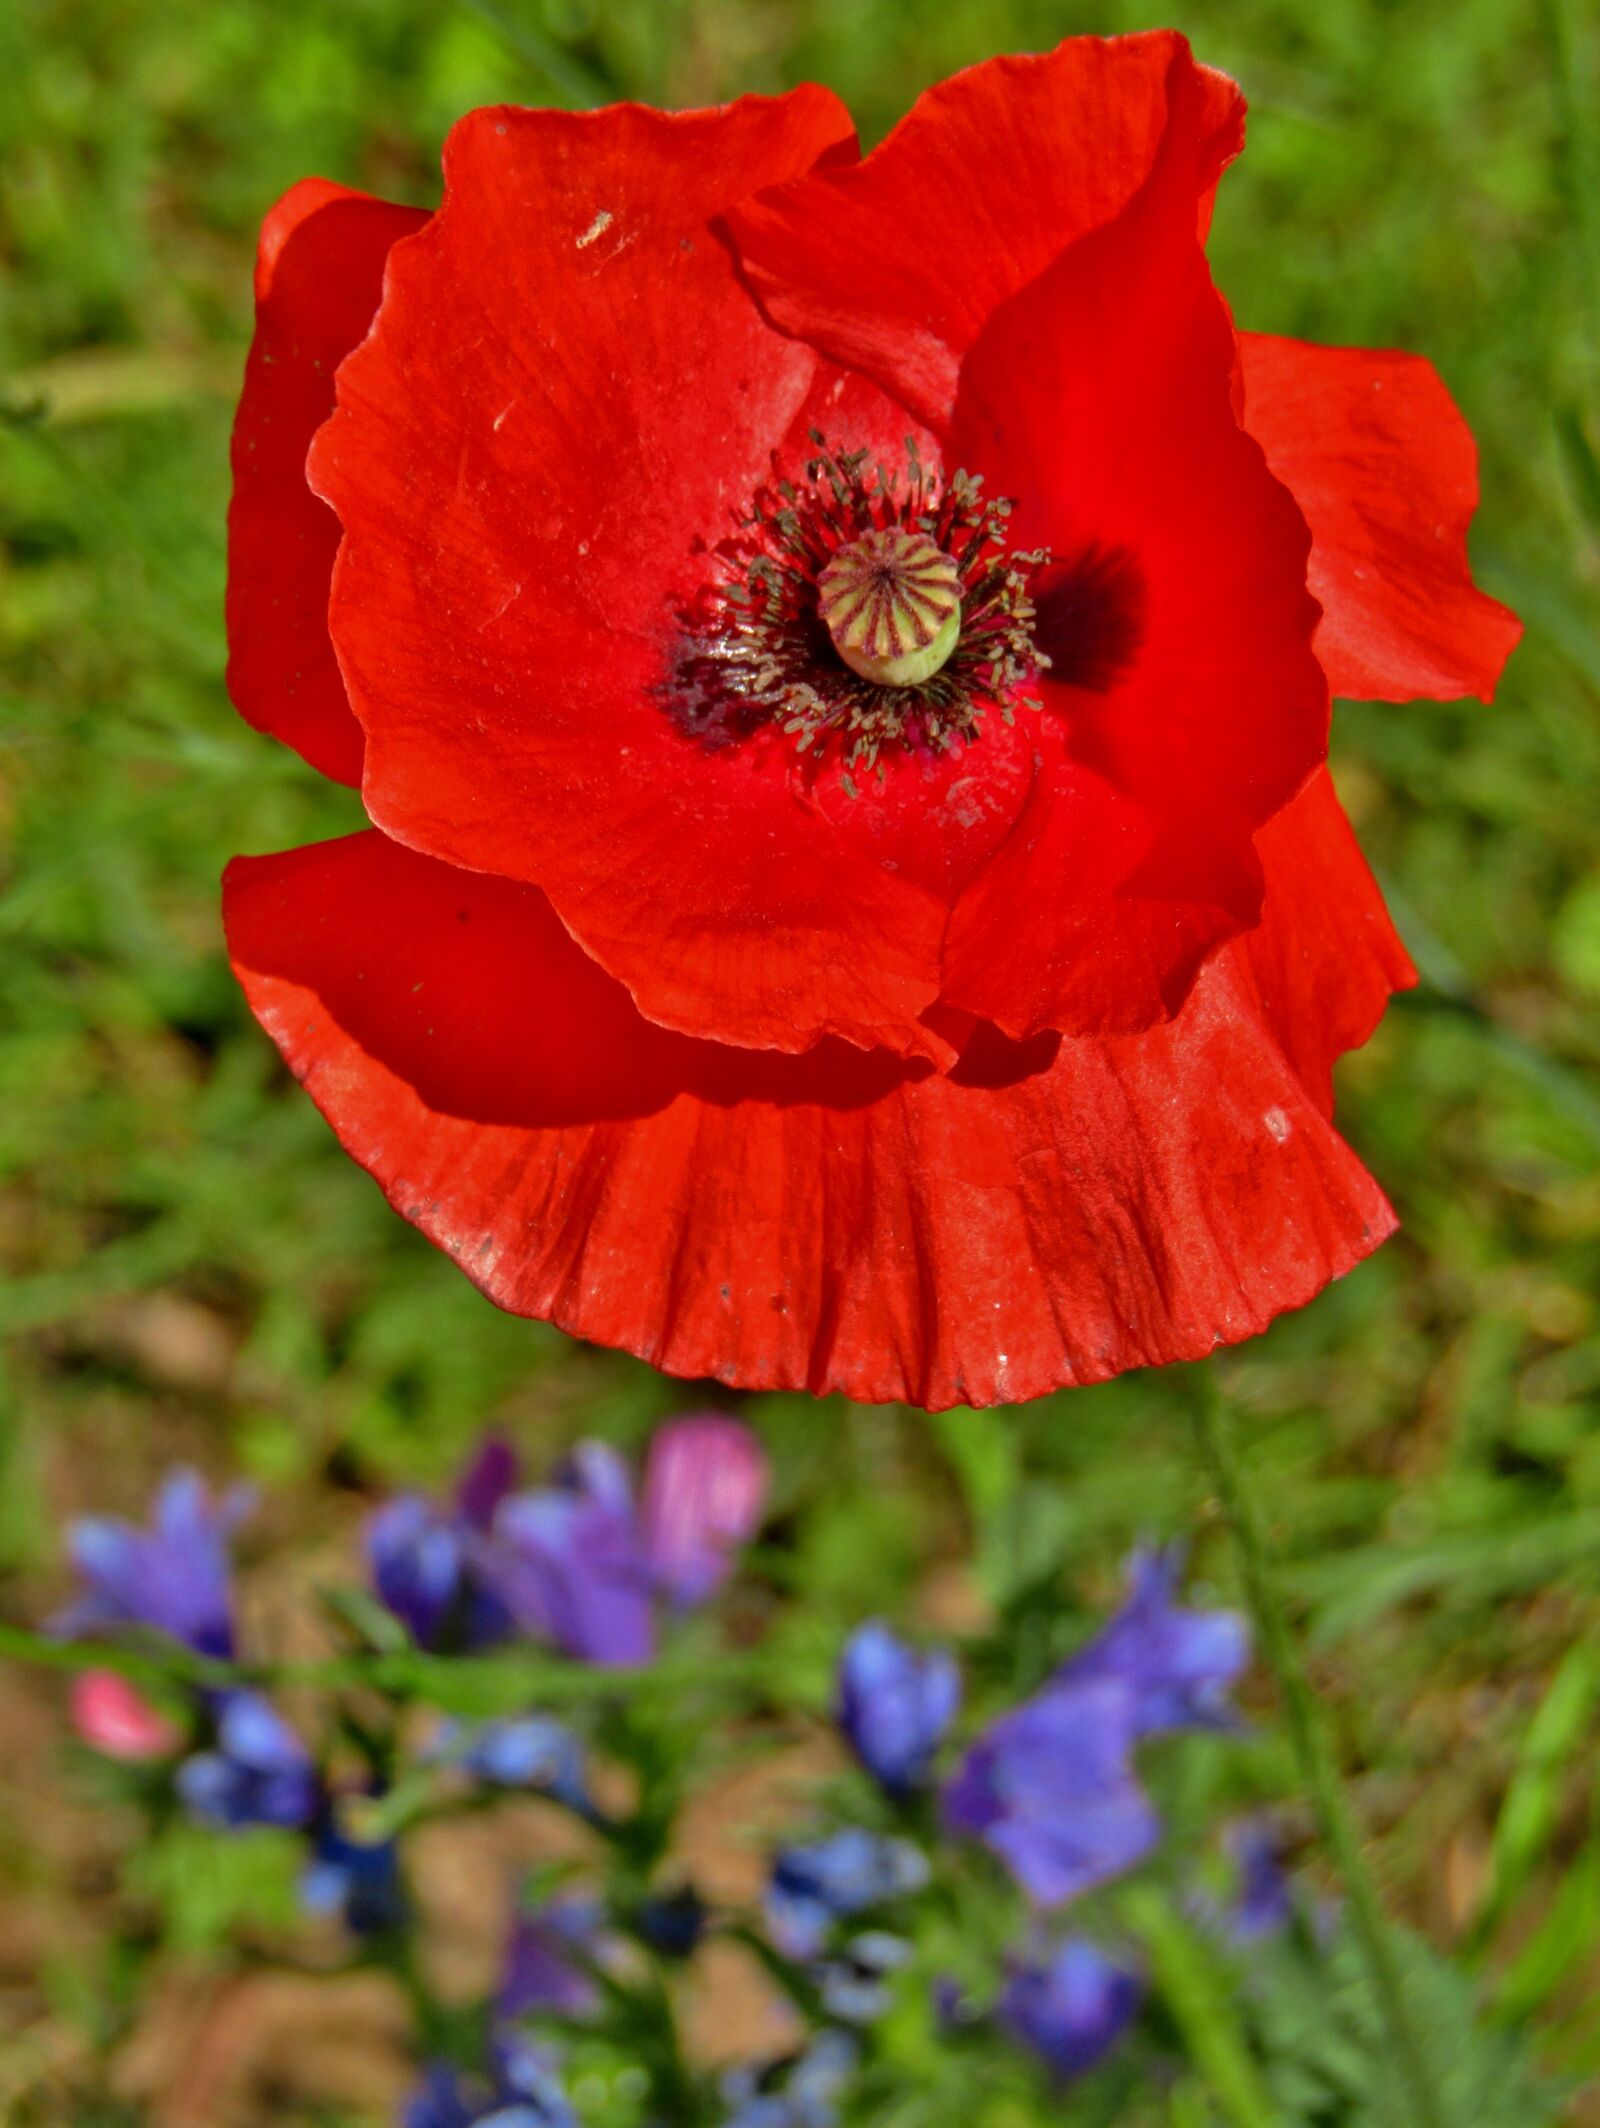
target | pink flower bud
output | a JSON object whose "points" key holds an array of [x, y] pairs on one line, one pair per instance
{"points": [[705, 1488], [114, 1718]]}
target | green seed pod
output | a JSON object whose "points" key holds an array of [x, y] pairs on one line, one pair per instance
{"points": [[892, 604]]}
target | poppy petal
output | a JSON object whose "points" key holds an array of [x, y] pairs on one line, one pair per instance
{"points": [[1043, 1215], [567, 396], [1184, 703], [1325, 958], [319, 275], [894, 265], [1385, 469]]}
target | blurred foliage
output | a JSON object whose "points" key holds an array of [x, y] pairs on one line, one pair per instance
{"points": [[192, 1266]]}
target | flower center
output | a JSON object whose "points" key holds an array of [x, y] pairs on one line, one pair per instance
{"points": [[868, 613], [892, 603]]}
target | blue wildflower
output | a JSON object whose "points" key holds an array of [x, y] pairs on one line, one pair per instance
{"points": [[545, 1969], [569, 1563], [1263, 1903], [359, 1880], [441, 2100], [420, 1556], [856, 1985], [258, 1773], [802, 2091], [1071, 2009], [1180, 1663], [173, 1576], [521, 2091], [1052, 1790], [895, 1704], [847, 1873], [532, 1751], [580, 1565]]}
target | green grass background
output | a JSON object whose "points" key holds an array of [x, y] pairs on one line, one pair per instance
{"points": [[191, 1267]]}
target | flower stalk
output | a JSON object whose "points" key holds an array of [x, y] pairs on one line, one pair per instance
{"points": [[1214, 1425]]}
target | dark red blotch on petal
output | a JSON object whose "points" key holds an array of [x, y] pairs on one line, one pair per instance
{"points": [[1184, 704], [1011, 1072], [569, 399]]}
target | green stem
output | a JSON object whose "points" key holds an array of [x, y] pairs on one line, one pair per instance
{"points": [[1219, 1446], [1189, 1985], [504, 1683]]}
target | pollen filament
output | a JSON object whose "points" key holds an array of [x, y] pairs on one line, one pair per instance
{"points": [[871, 612]]}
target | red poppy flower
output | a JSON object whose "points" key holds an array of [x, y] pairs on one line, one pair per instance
{"points": [[836, 653]]}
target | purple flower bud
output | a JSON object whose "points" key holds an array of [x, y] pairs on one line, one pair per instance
{"points": [[259, 1772], [1180, 1663], [1072, 2009], [548, 1960], [1051, 1789], [569, 1565], [173, 1576], [416, 1556], [829, 1880], [421, 1556], [895, 1704], [705, 1487], [489, 1478], [595, 1471], [1263, 1904]]}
